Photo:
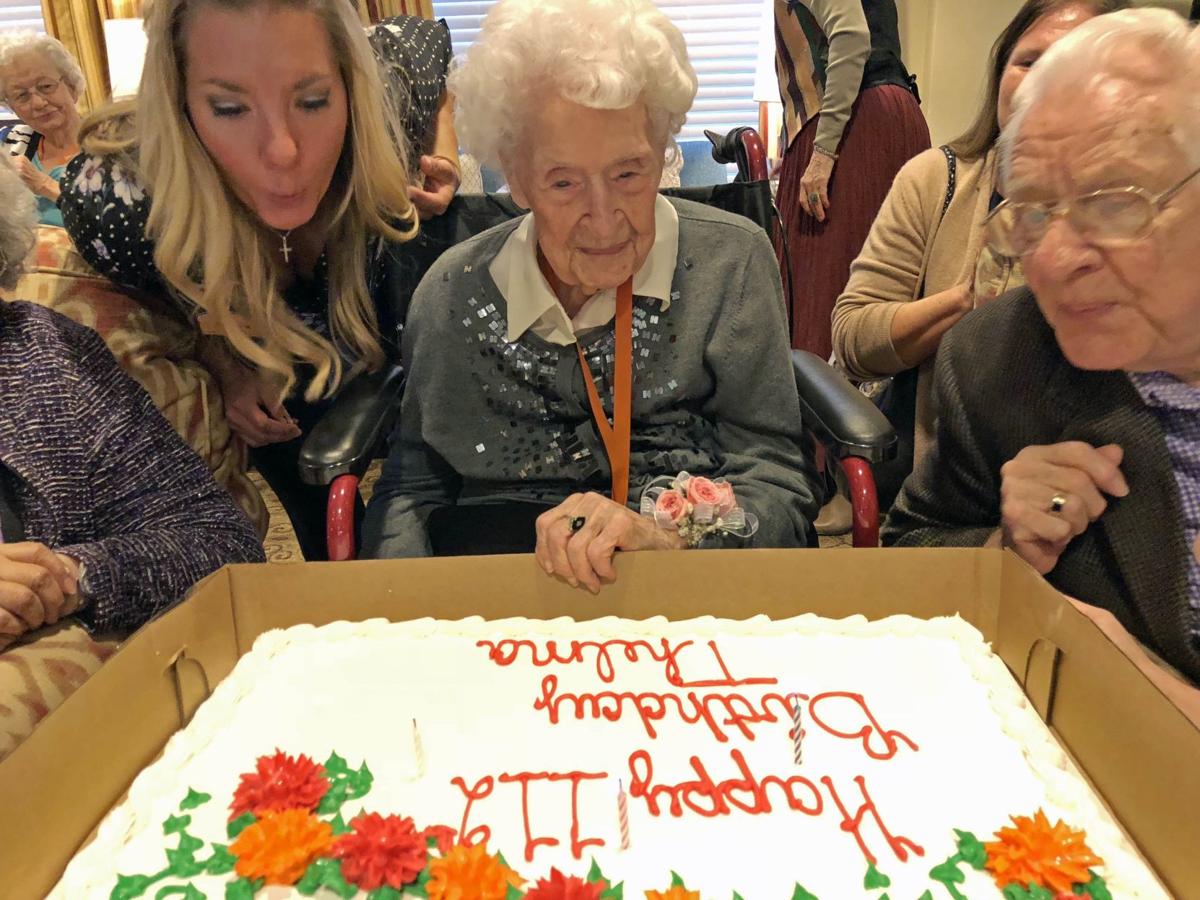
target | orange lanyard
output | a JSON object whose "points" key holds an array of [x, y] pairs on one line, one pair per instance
{"points": [[616, 434]]}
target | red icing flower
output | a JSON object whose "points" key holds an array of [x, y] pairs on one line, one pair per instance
{"points": [[280, 782], [444, 836], [381, 851], [560, 887]]}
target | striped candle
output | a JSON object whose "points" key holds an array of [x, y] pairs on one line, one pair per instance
{"points": [[623, 815], [797, 729], [418, 749]]}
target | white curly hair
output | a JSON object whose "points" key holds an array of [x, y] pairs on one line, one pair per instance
{"points": [[18, 224], [21, 43], [602, 54], [1153, 48]]}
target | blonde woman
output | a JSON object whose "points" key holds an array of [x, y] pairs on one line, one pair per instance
{"points": [[261, 179]]}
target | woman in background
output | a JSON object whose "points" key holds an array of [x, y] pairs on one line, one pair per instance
{"points": [[262, 179], [924, 265], [41, 83], [851, 120]]}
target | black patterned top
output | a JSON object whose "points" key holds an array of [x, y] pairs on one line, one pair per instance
{"points": [[94, 471], [105, 207]]}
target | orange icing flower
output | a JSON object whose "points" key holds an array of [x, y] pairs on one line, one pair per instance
{"points": [[280, 846], [1035, 853], [470, 873], [676, 892]]}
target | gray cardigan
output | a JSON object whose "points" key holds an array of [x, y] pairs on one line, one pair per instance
{"points": [[485, 420]]}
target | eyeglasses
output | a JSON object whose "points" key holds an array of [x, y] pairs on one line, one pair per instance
{"points": [[45, 89], [1107, 218]]}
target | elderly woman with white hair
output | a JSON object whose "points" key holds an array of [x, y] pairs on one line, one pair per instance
{"points": [[41, 83], [560, 363], [1069, 412]]}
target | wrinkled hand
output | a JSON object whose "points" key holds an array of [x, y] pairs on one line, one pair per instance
{"points": [[253, 408], [441, 183], [37, 587], [1080, 473], [815, 180], [36, 180], [586, 556]]}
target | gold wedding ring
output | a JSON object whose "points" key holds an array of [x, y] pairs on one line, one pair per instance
{"points": [[1057, 502]]}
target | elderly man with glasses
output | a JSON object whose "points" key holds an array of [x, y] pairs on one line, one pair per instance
{"points": [[1069, 411]]}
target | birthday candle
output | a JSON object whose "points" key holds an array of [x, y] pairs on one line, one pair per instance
{"points": [[418, 749], [797, 729], [623, 815]]}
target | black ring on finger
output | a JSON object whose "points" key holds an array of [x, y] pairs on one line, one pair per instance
{"points": [[577, 523], [1057, 502]]}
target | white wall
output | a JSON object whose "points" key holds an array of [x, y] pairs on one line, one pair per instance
{"points": [[946, 42]]}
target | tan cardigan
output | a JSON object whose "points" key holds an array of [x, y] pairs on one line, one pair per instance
{"points": [[910, 243]]}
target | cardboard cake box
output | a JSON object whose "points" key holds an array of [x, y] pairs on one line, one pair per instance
{"points": [[1140, 751]]}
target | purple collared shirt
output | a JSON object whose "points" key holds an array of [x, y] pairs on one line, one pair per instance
{"points": [[1176, 405]]}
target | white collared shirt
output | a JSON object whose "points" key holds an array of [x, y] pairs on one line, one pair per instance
{"points": [[532, 304]]}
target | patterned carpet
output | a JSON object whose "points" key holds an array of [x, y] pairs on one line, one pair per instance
{"points": [[281, 546]]}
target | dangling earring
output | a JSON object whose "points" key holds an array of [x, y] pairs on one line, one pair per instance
{"points": [[286, 249]]}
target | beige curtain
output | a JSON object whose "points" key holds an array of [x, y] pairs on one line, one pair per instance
{"points": [[79, 24], [374, 10]]}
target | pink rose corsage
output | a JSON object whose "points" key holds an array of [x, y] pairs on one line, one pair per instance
{"points": [[696, 507]]}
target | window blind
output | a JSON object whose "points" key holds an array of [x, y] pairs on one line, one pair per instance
{"points": [[21, 16], [722, 39]]}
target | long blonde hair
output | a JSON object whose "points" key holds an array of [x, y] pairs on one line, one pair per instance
{"points": [[211, 248]]}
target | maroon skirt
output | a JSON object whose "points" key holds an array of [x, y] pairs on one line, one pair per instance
{"points": [[886, 129]]}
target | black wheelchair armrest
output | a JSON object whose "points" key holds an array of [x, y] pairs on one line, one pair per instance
{"points": [[842, 418], [346, 439]]}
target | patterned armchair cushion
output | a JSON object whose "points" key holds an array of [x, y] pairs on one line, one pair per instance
{"points": [[155, 346]]}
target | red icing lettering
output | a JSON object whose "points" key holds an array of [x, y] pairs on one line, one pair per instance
{"points": [[532, 843], [715, 711], [483, 788], [709, 799], [506, 652], [864, 733], [853, 824]]}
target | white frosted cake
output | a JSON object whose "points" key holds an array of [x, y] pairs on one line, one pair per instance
{"points": [[534, 739]]}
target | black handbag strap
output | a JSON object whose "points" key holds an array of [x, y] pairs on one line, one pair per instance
{"points": [[951, 175]]}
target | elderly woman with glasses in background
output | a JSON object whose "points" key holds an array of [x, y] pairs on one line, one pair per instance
{"points": [[41, 83], [1069, 412]]}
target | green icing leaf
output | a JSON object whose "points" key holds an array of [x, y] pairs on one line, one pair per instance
{"points": [[614, 892], [130, 886], [503, 861], [221, 861], [182, 863], [676, 881], [186, 891], [949, 875], [339, 825], [594, 874], [801, 894], [928, 895], [737, 896], [194, 798], [242, 889], [176, 824], [874, 879], [325, 873], [884, 896], [240, 824], [513, 893], [189, 844], [384, 893], [417, 888], [1096, 888], [335, 765], [971, 849], [1015, 891]]}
